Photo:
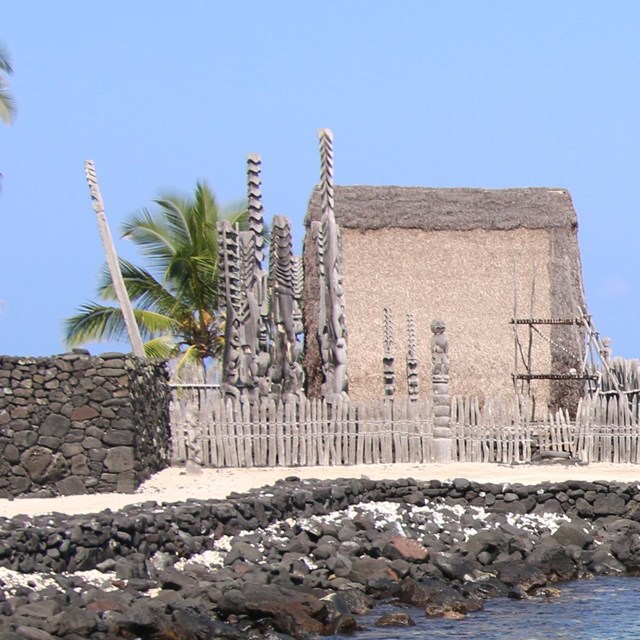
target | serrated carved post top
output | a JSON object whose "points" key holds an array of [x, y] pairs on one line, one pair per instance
{"points": [[280, 222], [224, 225], [254, 158], [325, 133], [387, 329], [326, 174], [411, 336], [90, 170], [92, 181]]}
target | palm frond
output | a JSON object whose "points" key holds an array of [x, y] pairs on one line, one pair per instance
{"points": [[237, 214], [7, 107], [152, 323], [162, 348], [173, 214], [194, 279], [7, 104], [151, 236], [94, 323], [205, 206], [143, 289], [189, 357], [203, 222], [99, 323], [5, 61]]}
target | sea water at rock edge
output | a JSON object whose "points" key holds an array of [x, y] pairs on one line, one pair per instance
{"points": [[600, 609]]}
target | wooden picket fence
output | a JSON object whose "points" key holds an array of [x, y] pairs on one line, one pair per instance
{"points": [[306, 432], [302, 431], [607, 430], [500, 431]]}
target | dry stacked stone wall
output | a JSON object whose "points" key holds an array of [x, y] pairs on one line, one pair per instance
{"points": [[75, 423]]}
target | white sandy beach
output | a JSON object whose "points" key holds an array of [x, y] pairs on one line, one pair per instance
{"points": [[175, 485]]}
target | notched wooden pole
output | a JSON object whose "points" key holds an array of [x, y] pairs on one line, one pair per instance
{"points": [[112, 260]]}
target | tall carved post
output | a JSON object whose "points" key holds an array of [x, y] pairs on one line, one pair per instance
{"points": [[296, 372], [332, 332], [323, 324], [248, 315], [192, 431], [112, 260], [388, 372], [229, 278], [441, 399], [413, 381], [255, 305], [286, 376], [255, 208]]}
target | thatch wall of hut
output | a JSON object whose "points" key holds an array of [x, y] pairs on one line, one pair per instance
{"points": [[472, 257]]}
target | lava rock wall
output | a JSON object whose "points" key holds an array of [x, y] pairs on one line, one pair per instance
{"points": [[302, 558], [74, 424], [71, 543]]}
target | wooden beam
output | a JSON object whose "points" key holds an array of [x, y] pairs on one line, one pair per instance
{"points": [[554, 376], [545, 321]]}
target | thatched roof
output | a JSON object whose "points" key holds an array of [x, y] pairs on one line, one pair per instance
{"points": [[459, 209]]}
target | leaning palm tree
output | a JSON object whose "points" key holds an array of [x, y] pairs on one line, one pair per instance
{"points": [[176, 299], [7, 105]]}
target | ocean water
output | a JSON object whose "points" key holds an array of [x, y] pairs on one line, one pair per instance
{"points": [[599, 609]]}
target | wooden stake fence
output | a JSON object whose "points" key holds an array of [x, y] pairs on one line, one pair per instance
{"points": [[305, 432], [607, 430]]}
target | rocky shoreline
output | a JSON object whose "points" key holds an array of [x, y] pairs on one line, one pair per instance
{"points": [[305, 558]]}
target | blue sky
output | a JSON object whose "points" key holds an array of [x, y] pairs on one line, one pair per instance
{"points": [[160, 94]]}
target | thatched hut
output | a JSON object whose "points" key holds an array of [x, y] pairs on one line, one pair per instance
{"points": [[473, 257]]}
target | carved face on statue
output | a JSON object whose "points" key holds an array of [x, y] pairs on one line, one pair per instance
{"points": [[262, 338], [438, 326]]}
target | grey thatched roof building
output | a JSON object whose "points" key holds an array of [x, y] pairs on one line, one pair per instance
{"points": [[463, 255]]}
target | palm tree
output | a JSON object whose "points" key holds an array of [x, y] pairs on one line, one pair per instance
{"points": [[7, 105], [176, 300]]}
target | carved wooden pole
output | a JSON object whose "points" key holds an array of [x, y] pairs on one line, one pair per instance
{"points": [[112, 261], [323, 324], [335, 329], [252, 241], [192, 444], [326, 173], [255, 282], [442, 442], [229, 287], [388, 373], [413, 381], [285, 323], [229, 271], [256, 210]]}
